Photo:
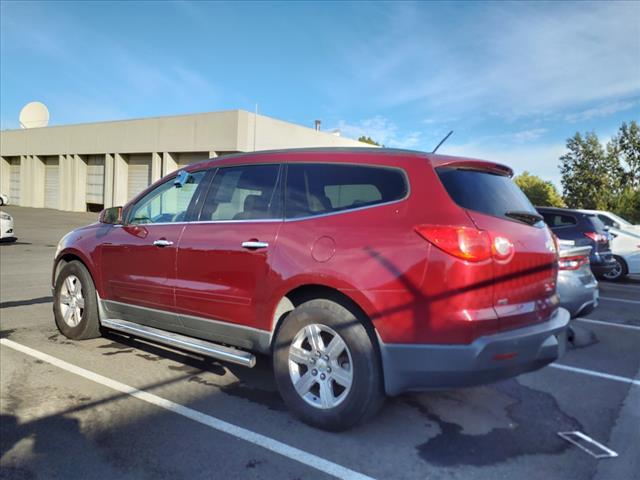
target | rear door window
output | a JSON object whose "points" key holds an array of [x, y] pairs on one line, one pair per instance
{"points": [[317, 189], [484, 192], [246, 192]]}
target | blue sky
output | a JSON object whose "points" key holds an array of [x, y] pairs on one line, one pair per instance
{"points": [[513, 80]]}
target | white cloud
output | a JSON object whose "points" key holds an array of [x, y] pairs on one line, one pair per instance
{"points": [[382, 130], [506, 59], [602, 110]]}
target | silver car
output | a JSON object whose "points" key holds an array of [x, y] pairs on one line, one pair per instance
{"points": [[577, 287]]}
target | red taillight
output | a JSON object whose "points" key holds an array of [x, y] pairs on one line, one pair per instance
{"points": [[596, 237], [572, 263], [502, 248], [467, 243], [463, 242]]}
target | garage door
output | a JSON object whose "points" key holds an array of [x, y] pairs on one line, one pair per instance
{"points": [[95, 179], [139, 174], [185, 158], [51, 182], [14, 181]]}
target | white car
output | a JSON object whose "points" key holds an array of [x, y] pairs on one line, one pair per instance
{"points": [[4, 199], [625, 244], [7, 232]]}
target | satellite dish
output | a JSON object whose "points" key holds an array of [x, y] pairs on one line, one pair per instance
{"points": [[33, 115]]}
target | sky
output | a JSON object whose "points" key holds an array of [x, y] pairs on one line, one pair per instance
{"points": [[512, 80]]}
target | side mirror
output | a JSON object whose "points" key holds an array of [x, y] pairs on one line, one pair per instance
{"points": [[616, 225], [111, 216]]}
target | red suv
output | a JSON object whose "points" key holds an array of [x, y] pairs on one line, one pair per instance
{"points": [[362, 272]]}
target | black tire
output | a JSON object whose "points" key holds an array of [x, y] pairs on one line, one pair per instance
{"points": [[366, 393], [1, 202], [620, 272], [89, 324]]}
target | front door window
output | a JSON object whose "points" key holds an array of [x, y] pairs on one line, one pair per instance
{"points": [[167, 203]]}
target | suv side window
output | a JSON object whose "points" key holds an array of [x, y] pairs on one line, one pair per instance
{"points": [[166, 203], [317, 189], [245, 192]]}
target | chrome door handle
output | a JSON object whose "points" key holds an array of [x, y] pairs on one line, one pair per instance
{"points": [[163, 243], [254, 244]]}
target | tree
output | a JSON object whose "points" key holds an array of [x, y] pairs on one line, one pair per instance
{"points": [[593, 177], [626, 147], [627, 204], [540, 192], [368, 140], [590, 177]]}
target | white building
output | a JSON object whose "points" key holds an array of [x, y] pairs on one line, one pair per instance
{"points": [[97, 165]]}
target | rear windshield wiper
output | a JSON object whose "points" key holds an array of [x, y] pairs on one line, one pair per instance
{"points": [[523, 216]]}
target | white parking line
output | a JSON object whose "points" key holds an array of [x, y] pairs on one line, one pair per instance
{"points": [[258, 439], [620, 300], [596, 374], [610, 324]]}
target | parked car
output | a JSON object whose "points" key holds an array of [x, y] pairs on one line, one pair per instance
{"points": [[612, 220], [362, 272], [7, 232], [625, 244], [4, 199], [577, 287], [584, 229]]}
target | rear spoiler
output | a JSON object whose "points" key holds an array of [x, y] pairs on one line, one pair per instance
{"points": [[470, 164]]}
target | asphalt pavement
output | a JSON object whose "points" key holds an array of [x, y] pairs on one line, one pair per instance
{"points": [[117, 407]]}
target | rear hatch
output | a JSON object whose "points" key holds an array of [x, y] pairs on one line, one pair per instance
{"points": [[525, 270], [599, 234]]}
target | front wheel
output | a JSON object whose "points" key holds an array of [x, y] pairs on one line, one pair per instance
{"points": [[75, 304], [619, 271], [327, 367]]}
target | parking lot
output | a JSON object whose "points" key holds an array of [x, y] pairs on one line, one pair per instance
{"points": [[116, 407]]}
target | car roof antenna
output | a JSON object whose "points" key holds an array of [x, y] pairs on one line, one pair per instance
{"points": [[442, 141]]}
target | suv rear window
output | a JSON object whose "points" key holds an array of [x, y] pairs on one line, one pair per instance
{"points": [[484, 192], [598, 224], [317, 189], [555, 220]]}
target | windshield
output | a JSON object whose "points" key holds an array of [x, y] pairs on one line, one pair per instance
{"points": [[486, 192]]}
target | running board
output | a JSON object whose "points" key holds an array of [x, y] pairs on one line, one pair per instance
{"points": [[194, 345]]}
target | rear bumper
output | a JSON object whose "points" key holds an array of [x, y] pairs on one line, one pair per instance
{"points": [[577, 297], [411, 367], [601, 269], [602, 263]]}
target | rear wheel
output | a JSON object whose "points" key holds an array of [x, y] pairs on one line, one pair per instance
{"points": [[327, 367], [75, 304], [619, 271]]}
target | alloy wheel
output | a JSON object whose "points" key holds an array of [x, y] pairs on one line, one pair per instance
{"points": [[320, 366], [615, 273], [71, 301]]}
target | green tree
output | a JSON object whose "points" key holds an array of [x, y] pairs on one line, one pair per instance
{"points": [[368, 140], [627, 204], [625, 148], [540, 192], [591, 178]]}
